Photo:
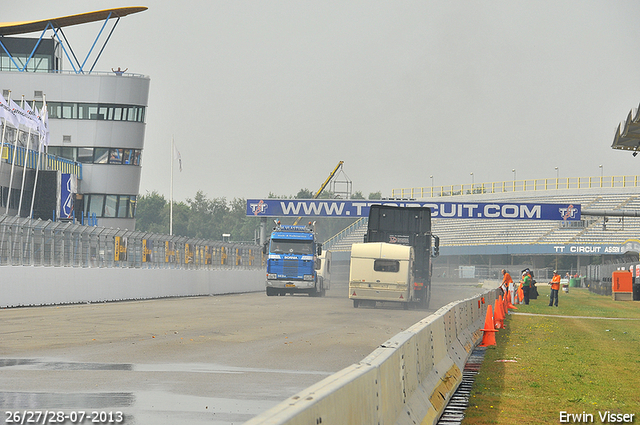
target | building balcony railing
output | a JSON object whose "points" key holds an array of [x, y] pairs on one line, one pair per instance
{"points": [[602, 182], [47, 161]]}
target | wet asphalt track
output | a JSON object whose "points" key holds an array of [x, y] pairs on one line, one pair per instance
{"points": [[200, 360]]}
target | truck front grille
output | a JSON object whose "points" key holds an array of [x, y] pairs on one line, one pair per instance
{"points": [[290, 268]]}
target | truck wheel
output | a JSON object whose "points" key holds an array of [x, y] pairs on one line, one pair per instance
{"points": [[271, 292], [356, 303]]}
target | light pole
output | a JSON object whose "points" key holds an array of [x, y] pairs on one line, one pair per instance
{"points": [[601, 174], [472, 181], [513, 170], [431, 177], [557, 177]]}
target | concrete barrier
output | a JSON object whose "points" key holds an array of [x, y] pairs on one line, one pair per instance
{"points": [[407, 380], [33, 286]]}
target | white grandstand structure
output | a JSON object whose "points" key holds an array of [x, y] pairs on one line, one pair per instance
{"points": [[612, 233]]}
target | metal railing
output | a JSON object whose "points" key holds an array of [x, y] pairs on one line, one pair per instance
{"points": [[352, 228], [47, 161], [604, 182], [28, 242]]}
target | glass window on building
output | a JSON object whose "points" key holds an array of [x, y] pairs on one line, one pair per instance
{"points": [[103, 112], [93, 112], [110, 205], [55, 150], [101, 155], [137, 157], [127, 156], [132, 206], [68, 153], [69, 111], [83, 111], [115, 157], [133, 113], [55, 109], [85, 155], [38, 64], [5, 64], [123, 206], [95, 204]]}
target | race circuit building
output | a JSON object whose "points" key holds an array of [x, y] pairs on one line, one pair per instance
{"points": [[482, 228], [96, 119]]}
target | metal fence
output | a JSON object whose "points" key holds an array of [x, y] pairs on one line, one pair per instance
{"points": [[28, 242], [532, 185]]}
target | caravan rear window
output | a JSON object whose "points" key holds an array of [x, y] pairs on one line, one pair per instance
{"points": [[392, 266]]}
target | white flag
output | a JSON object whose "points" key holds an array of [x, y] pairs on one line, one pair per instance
{"points": [[176, 155], [8, 115], [19, 113], [44, 125], [34, 122]]}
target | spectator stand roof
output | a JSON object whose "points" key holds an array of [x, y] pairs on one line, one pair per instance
{"points": [[627, 135], [56, 24]]}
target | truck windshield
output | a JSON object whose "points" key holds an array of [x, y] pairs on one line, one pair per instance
{"points": [[280, 246]]}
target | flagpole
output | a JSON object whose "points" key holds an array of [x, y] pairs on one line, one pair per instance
{"points": [[171, 191], [40, 140], [4, 129], [13, 159], [24, 171]]}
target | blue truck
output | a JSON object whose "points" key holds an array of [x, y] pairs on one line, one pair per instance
{"points": [[293, 261]]}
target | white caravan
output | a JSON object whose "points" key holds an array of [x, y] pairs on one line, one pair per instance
{"points": [[381, 272]]}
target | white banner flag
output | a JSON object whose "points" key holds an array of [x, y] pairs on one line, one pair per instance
{"points": [[7, 113], [44, 127], [176, 155], [20, 114]]}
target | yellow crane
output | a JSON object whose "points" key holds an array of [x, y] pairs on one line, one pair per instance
{"points": [[324, 185]]}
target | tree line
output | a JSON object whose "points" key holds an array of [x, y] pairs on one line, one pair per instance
{"points": [[201, 217]]}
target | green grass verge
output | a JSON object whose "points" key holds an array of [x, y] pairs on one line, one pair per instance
{"points": [[572, 364]]}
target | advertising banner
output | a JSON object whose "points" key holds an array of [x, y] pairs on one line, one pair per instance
{"points": [[360, 208], [68, 189], [630, 245]]}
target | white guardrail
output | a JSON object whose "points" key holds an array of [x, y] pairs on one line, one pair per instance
{"points": [[407, 380]]}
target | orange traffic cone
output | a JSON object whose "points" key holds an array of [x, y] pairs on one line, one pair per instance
{"points": [[488, 338], [498, 317], [503, 306], [509, 305], [520, 295]]}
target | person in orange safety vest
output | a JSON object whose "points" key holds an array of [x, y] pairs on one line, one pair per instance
{"points": [[508, 285], [555, 287]]}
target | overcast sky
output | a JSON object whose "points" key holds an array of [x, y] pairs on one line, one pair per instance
{"points": [[268, 96]]}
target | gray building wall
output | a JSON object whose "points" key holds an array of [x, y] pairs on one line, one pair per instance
{"points": [[105, 88]]}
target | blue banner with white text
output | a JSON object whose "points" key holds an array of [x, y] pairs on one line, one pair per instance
{"points": [[360, 208]]}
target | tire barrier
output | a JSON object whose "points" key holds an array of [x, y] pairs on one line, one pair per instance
{"points": [[407, 380]]}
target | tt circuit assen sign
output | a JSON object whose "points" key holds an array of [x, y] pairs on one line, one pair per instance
{"points": [[360, 208]]}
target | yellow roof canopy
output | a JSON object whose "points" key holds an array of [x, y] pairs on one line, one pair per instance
{"points": [[13, 28]]}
